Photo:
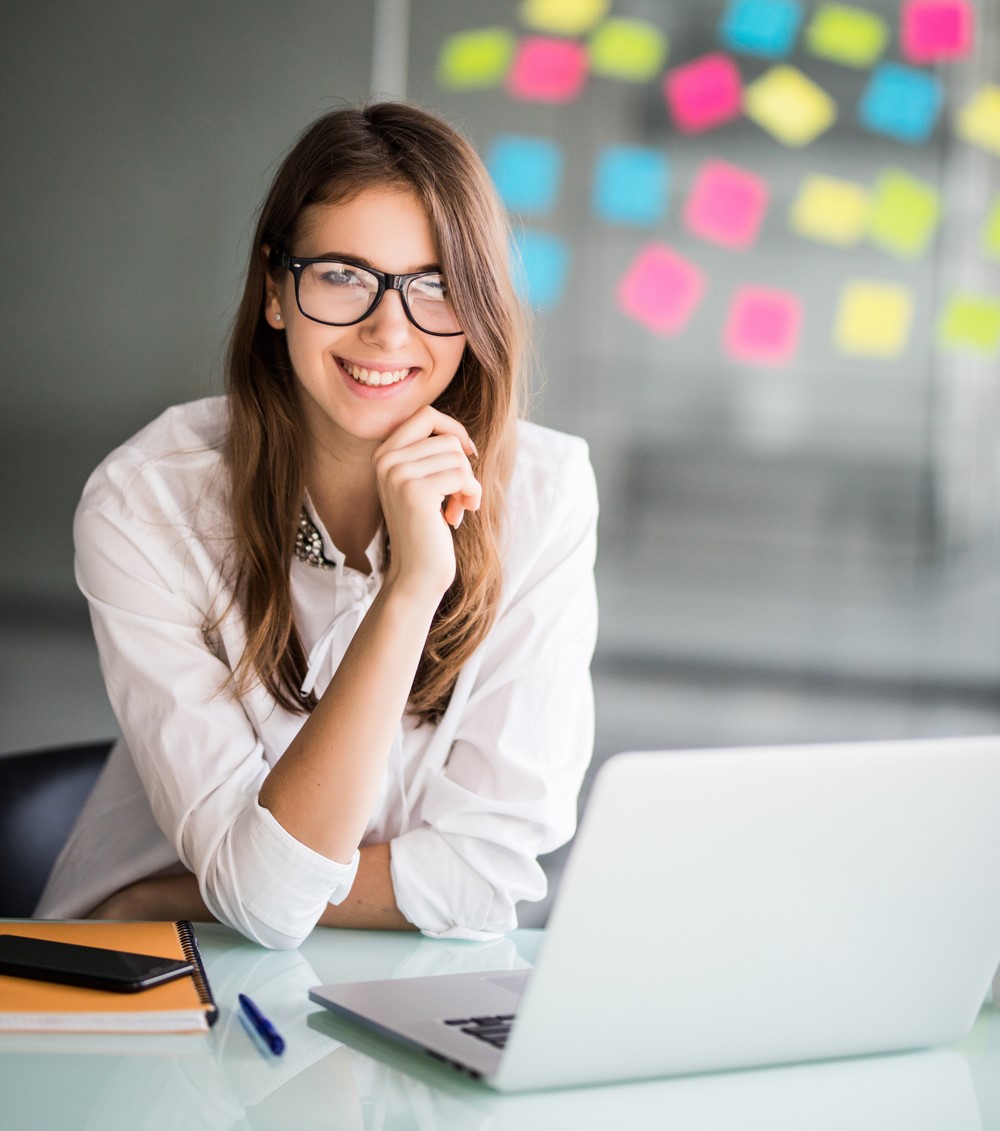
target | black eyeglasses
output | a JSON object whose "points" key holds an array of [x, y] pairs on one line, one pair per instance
{"points": [[339, 292]]}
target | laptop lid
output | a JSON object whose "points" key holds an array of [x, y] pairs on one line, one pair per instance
{"points": [[729, 908]]}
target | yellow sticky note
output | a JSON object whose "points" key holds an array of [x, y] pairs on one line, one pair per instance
{"points": [[632, 50], [830, 210], [873, 319], [978, 120], [563, 17], [847, 35], [905, 214], [475, 59], [991, 232], [789, 105], [970, 322]]}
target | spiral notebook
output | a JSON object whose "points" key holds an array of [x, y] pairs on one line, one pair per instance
{"points": [[183, 1005]]}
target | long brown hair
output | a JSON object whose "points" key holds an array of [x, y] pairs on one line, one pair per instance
{"points": [[340, 155]]}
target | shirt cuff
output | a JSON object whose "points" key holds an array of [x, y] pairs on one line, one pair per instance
{"points": [[291, 883], [441, 894]]}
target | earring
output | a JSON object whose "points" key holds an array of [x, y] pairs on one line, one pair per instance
{"points": [[277, 316]]}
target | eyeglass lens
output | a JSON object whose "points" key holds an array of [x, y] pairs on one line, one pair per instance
{"points": [[341, 293]]}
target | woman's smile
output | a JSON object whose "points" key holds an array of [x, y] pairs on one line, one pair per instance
{"points": [[376, 374]]}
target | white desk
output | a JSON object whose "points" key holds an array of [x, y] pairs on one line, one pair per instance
{"points": [[335, 1075]]}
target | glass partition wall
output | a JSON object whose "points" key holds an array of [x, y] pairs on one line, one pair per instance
{"points": [[763, 241]]}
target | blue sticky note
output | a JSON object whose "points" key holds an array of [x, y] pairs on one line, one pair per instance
{"points": [[540, 266], [526, 172], [761, 27], [901, 102], [630, 185]]}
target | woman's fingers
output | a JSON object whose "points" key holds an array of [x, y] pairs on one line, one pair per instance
{"points": [[424, 474], [433, 450], [426, 422], [427, 457]]}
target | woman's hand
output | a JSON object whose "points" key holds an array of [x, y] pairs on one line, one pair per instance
{"points": [[425, 483]]}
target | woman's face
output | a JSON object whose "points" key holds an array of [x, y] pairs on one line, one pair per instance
{"points": [[341, 369]]}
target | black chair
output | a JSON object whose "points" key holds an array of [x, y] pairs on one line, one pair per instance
{"points": [[41, 793]]}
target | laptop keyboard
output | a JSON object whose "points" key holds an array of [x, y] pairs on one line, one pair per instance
{"points": [[493, 1030]]}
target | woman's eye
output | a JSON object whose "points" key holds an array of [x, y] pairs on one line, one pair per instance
{"points": [[341, 276], [430, 287]]}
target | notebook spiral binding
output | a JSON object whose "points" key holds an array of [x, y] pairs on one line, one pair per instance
{"points": [[189, 944]]}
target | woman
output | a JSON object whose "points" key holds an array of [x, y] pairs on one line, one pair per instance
{"points": [[346, 613]]}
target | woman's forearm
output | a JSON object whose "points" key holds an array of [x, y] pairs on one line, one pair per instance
{"points": [[323, 789], [371, 903]]}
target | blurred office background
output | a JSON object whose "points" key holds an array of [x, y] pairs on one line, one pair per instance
{"points": [[767, 293]]}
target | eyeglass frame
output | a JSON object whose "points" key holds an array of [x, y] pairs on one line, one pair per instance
{"points": [[386, 282]]}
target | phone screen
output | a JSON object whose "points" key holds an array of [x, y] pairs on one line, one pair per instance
{"points": [[86, 965]]}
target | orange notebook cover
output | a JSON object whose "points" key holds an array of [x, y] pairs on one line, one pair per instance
{"points": [[182, 1005]]}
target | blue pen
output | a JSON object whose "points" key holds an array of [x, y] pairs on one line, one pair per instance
{"points": [[273, 1039]]}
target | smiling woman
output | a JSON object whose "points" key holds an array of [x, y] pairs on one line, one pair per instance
{"points": [[345, 613]]}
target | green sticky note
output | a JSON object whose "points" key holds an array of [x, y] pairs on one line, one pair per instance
{"points": [[563, 17], [873, 319], [475, 59], [991, 233], [905, 214], [847, 35], [970, 322], [830, 210], [632, 50]]}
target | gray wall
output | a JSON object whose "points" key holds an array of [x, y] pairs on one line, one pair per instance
{"points": [[137, 141]]}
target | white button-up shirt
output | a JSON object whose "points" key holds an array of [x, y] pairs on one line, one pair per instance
{"points": [[467, 804]]}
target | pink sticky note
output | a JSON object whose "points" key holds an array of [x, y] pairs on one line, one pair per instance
{"points": [[933, 31], [661, 289], [704, 93], [726, 205], [762, 325], [547, 70]]}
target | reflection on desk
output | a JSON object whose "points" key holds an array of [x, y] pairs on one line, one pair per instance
{"points": [[336, 1075]]}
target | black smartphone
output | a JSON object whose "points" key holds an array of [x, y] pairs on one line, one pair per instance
{"points": [[90, 966]]}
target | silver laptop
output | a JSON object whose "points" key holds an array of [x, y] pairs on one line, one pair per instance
{"points": [[724, 909]]}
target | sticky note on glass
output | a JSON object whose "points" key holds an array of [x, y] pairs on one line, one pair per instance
{"points": [[901, 102], [847, 35], [726, 205], [661, 289], [704, 93], [991, 230], [526, 172], [970, 322], [905, 214], [539, 267], [563, 17], [978, 120], [630, 185], [873, 319], [547, 70], [790, 106], [761, 27], [830, 210], [935, 31], [631, 50], [762, 326], [475, 59]]}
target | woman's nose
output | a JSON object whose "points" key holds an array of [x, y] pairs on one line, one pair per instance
{"points": [[387, 325]]}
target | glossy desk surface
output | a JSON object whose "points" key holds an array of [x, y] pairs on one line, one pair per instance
{"points": [[335, 1075]]}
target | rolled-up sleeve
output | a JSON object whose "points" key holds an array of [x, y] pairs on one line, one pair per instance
{"points": [[508, 788], [194, 747]]}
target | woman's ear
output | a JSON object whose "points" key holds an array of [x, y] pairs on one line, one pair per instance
{"points": [[272, 299]]}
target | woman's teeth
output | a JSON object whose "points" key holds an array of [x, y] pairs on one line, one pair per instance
{"points": [[375, 376]]}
